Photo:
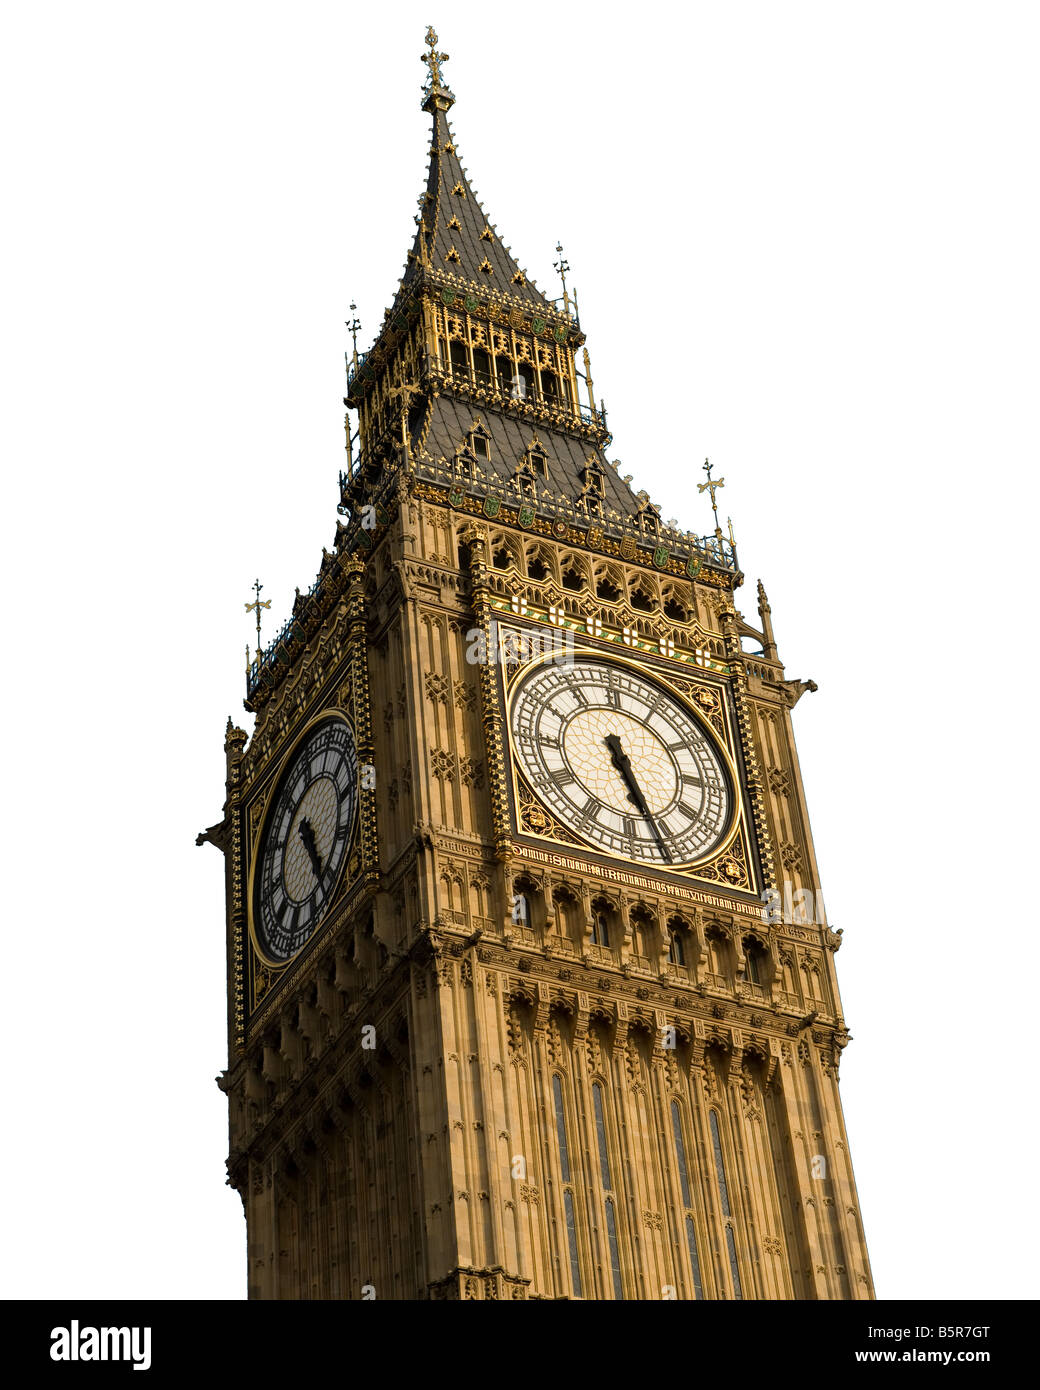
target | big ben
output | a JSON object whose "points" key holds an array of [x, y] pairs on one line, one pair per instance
{"points": [[531, 993]]}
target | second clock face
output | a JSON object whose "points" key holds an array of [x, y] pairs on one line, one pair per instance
{"points": [[305, 839], [621, 762]]}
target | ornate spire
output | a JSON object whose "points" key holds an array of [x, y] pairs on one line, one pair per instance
{"points": [[438, 96], [455, 235]]}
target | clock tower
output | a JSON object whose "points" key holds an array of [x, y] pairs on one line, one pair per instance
{"points": [[531, 992]]}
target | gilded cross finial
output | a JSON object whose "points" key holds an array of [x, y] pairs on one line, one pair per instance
{"points": [[256, 607], [712, 485], [563, 266], [433, 59], [354, 328]]}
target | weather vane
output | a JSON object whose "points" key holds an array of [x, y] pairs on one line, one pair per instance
{"points": [[433, 59], [354, 328], [256, 607], [563, 266], [712, 485]]}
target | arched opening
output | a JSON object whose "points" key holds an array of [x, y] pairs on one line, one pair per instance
{"points": [[459, 357], [482, 366]]}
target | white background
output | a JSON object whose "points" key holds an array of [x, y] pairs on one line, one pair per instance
{"points": [[805, 241]]}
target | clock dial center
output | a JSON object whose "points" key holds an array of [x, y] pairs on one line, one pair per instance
{"points": [[586, 750], [317, 813]]}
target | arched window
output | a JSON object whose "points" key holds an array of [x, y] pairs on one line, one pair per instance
{"points": [[504, 370], [754, 970], [754, 961], [523, 910], [482, 365], [565, 1173], [687, 1197], [608, 1188], [600, 929], [720, 1174], [566, 916], [676, 947], [717, 943]]}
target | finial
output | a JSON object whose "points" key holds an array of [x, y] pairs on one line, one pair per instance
{"points": [[256, 607], [588, 380], [712, 486], [354, 328], [563, 266], [437, 94]]}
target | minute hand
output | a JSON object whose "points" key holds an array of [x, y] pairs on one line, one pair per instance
{"points": [[620, 759]]}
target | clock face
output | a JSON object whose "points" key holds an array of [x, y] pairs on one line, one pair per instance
{"points": [[305, 839], [621, 762]]}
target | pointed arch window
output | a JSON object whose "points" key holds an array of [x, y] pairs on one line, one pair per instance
{"points": [[687, 1197], [565, 1173], [523, 909], [754, 962], [720, 1174], [459, 356], [608, 1188]]}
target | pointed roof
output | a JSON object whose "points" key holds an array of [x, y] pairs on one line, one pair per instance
{"points": [[455, 235]]}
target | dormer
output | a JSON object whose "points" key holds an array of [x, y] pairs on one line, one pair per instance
{"points": [[479, 442], [648, 516]]}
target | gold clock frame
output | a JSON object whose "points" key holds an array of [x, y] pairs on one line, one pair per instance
{"points": [[515, 674]]}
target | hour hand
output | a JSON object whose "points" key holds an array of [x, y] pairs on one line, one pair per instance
{"points": [[310, 845], [619, 758]]}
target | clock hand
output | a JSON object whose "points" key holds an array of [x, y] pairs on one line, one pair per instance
{"points": [[310, 845], [620, 760]]}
